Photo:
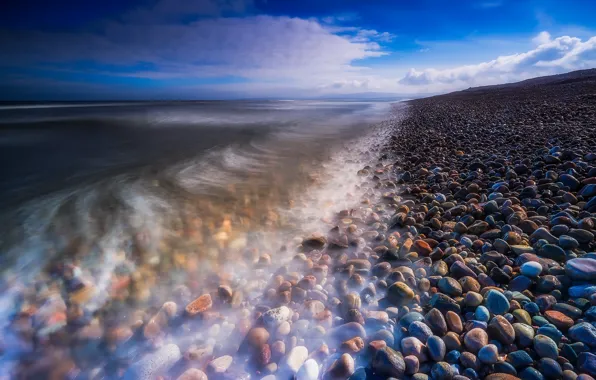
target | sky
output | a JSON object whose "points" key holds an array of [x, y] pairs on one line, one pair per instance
{"points": [[219, 49]]}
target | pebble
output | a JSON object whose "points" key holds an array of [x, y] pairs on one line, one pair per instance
{"points": [[389, 363], [294, 360], [500, 329], [531, 269], [193, 374], [219, 365], [489, 354], [584, 332], [475, 339], [274, 317], [436, 348], [420, 330], [545, 347], [342, 368], [581, 269], [520, 359], [400, 294], [496, 302], [524, 334]]}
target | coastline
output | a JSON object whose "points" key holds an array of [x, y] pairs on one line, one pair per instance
{"points": [[467, 252]]}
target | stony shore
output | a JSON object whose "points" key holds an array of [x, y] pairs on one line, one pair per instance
{"points": [[470, 256]]}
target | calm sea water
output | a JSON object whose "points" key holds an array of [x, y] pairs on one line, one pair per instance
{"points": [[47, 147]]}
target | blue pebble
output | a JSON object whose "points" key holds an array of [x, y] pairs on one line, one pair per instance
{"points": [[539, 321], [550, 331], [504, 367], [452, 357], [496, 302], [532, 308], [531, 269], [482, 314], [466, 241], [478, 324], [470, 374], [520, 359], [531, 374]]}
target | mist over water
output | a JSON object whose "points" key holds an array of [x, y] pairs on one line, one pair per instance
{"points": [[172, 193]]}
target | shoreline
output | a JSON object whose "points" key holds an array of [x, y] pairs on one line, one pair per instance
{"points": [[468, 254]]}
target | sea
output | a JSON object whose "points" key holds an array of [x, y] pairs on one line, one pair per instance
{"points": [[86, 183]]}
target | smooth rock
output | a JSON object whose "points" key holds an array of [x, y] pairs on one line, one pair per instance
{"points": [[475, 339], [388, 362], [489, 354], [545, 347], [496, 302], [581, 269], [583, 332], [436, 348], [294, 359], [308, 371]]}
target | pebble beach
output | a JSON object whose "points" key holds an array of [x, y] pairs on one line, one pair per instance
{"points": [[465, 249]]}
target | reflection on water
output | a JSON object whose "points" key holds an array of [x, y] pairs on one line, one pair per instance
{"points": [[165, 203]]}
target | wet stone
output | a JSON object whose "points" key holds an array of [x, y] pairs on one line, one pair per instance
{"points": [[488, 354], [400, 294], [389, 363], [545, 347], [584, 332], [499, 328], [420, 330], [342, 368], [496, 302], [475, 339], [581, 269], [436, 348]]}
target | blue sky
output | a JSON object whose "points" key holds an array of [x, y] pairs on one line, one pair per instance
{"points": [[193, 49]]}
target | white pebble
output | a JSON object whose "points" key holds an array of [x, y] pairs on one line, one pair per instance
{"points": [[308, 371]]}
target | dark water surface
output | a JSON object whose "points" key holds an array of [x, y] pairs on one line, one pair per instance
{"points": [[53, 146]]}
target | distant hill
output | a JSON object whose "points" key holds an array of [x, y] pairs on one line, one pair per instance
{"points": [[573, 76]]}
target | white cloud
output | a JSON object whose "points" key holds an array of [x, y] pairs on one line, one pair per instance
{"points": [[256, 47], [542, 38], [551, 56]]}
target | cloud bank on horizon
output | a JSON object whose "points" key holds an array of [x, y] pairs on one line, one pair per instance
{"points": [[241, 48]]}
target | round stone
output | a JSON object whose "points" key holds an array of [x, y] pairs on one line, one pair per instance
{"points": [[496, 302], [420, 330], [550, 368], [450, 286], [475, 339], [559, 319], [273, 317], [524, 334], [294, 359], [389, 363], [342, 368], [489, 354], [545, 347], [308, 371], [436, 348], [581, 269], [500, 329], [454, 322], [435, 320], [482, 314], [400, 294], [442, 371], [584, 332], [412, 364]]}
